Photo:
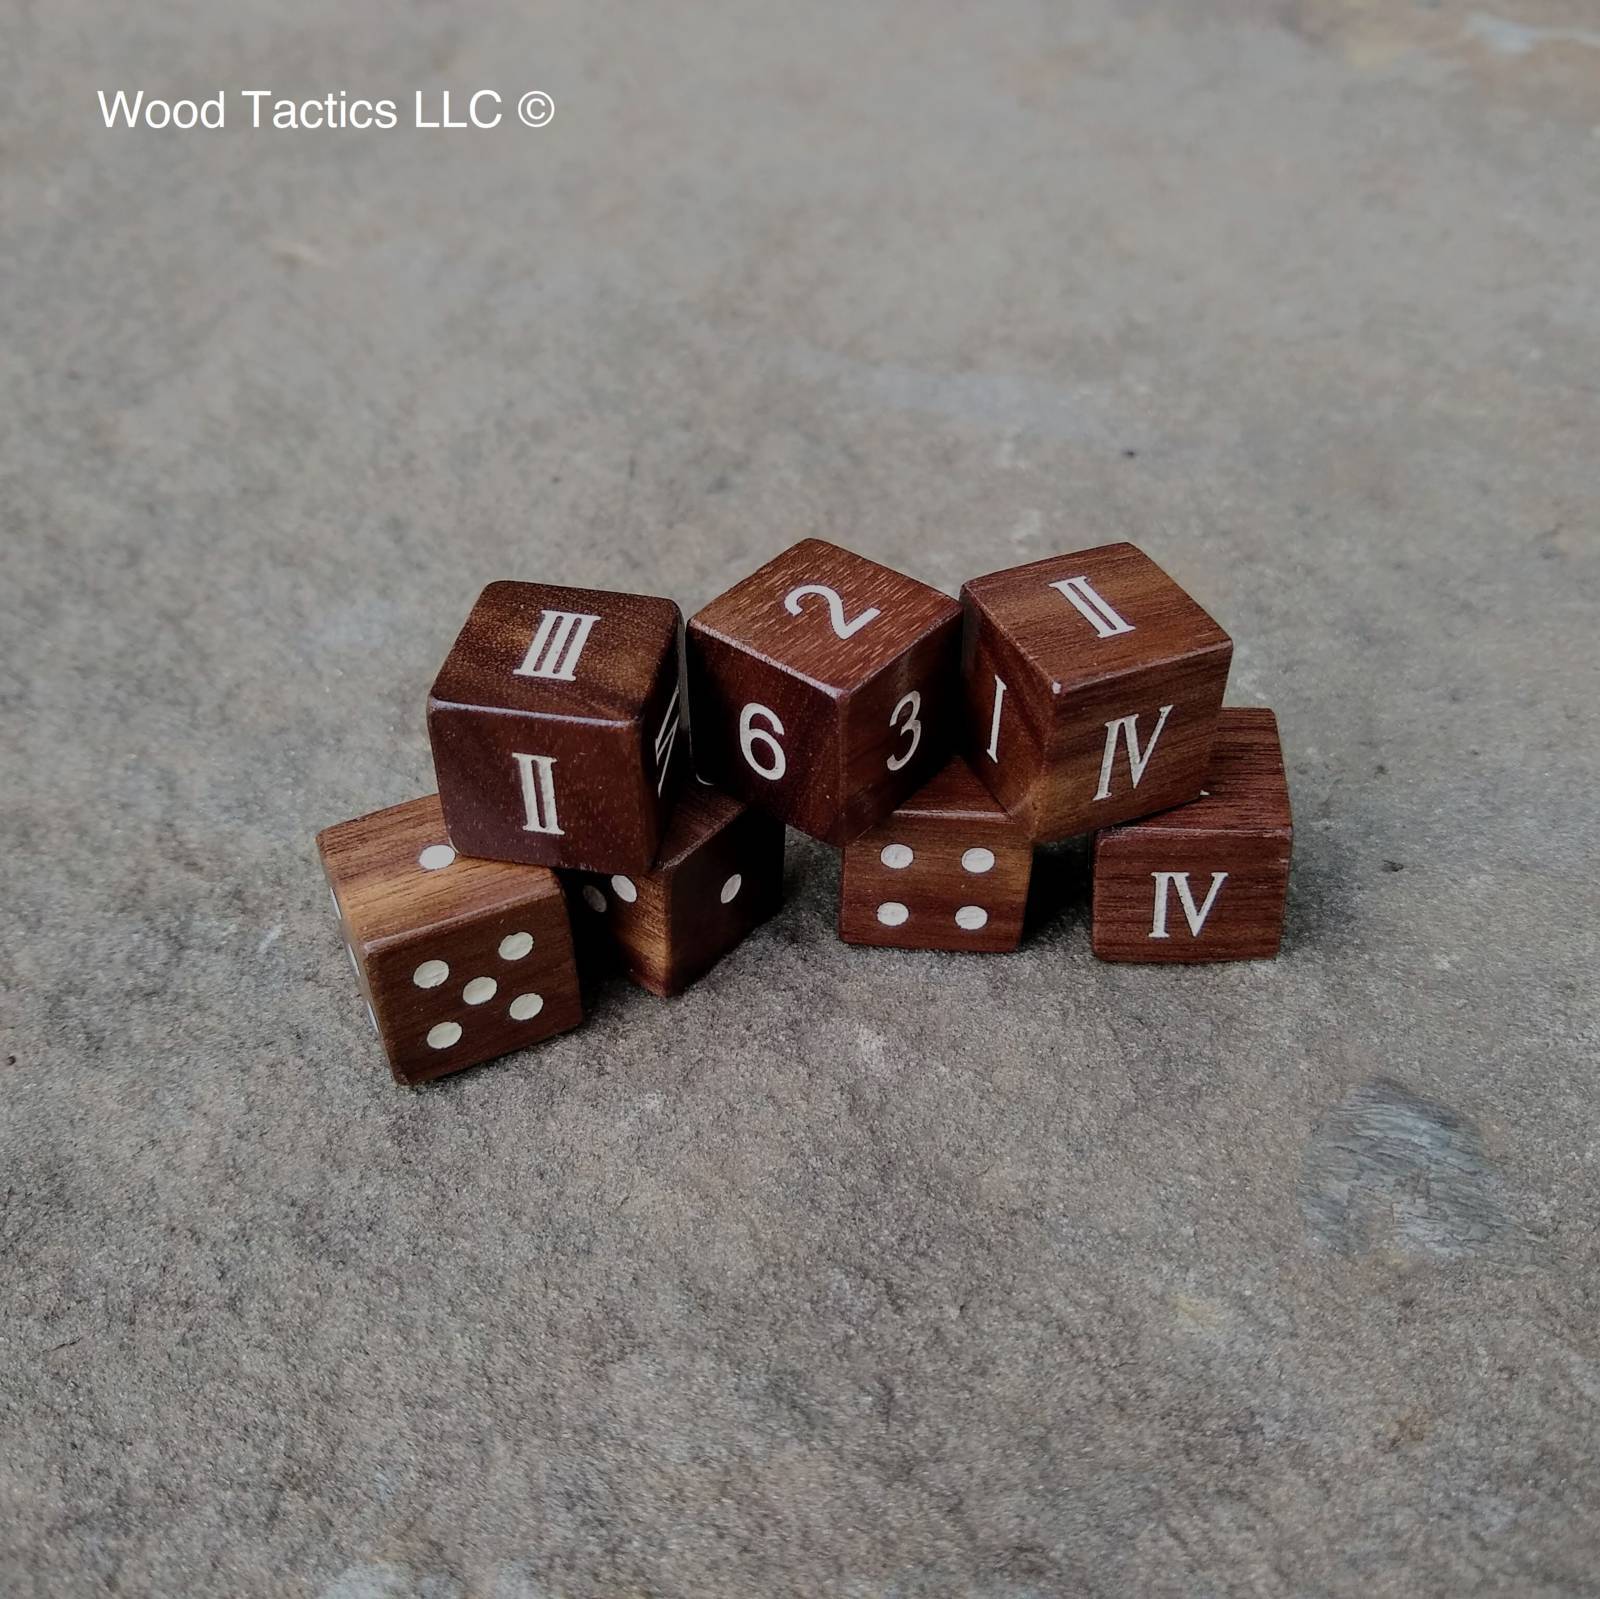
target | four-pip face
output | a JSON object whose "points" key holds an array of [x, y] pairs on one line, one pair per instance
{"points": [[554, 722], [824, 688], [948, 869]]}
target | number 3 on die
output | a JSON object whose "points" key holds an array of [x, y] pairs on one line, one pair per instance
{"points": [[911, 704]]}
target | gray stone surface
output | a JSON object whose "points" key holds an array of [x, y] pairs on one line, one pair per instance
{"points": [[846, 1273]]}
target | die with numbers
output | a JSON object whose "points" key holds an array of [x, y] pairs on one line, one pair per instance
{"points": [[948, 869], [824, 688], [1206, 881], [459, 960], [1092, 685], [719, 876], [554, 723]]}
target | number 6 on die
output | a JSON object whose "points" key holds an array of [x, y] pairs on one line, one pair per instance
{"points": [[750, 736]]}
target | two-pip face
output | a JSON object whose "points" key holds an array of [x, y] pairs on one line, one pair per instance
{"points": [[824, 688]]}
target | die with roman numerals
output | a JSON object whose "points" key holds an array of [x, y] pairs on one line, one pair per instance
{"points": [[719, 876], [459, 960], [947, 869], [554, 723], [824, 688], [1206, 881], [1092, 685]]}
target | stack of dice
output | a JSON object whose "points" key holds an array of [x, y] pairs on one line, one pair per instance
{"points": [[936, 744]]}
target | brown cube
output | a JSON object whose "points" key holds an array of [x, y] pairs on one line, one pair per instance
{"points": [[947, 870], [554, 722], [1206, 881], [719, 877], [460, 960], [824, 688], [1092, 686]]}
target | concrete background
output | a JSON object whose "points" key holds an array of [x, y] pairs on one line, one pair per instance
{"points": [[846, 1273]]}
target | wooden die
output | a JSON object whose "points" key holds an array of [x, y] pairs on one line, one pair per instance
{"points": [[1208, 880], [947, 870], [460, 960], [1092, 686], [824, 688], [719, 877], [554, 722]]}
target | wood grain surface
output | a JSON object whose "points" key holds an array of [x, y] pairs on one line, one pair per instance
{"points": [[720, 875], [459, 960], [1080, 642], [1206, 881], [947, 870], [555, 729], [828, 732]]}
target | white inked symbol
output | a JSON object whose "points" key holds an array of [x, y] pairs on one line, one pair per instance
{"points": [[892, 913], [436, 857], [971, 917], [444, 1035], [1195, 916], [430, 974], [750, 735], [911, 704], [730, 889], [993, 752], [525, 1007], [897, 856], [593, 898], [557, 644], [1091, 607], [538, 793], [791, 603], [625, 889], [978, 860], [480, 990], [515, 945], [666, 737], [1138, 758]]}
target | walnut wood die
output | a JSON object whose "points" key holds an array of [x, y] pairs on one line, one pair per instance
{"points": [[947, 870], [1092, 686], [460, 960], [554, 724], [1206, 881], [719, 877], [824, 688]]}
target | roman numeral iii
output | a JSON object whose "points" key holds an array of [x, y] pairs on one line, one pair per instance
{"points": [[557, 643]]}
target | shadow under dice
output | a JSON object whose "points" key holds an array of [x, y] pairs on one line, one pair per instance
{"points": [[1206, 881], [947, 870], [824, 688], [554, 723], [459, 960], [719, 877], [1092, 685]]}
